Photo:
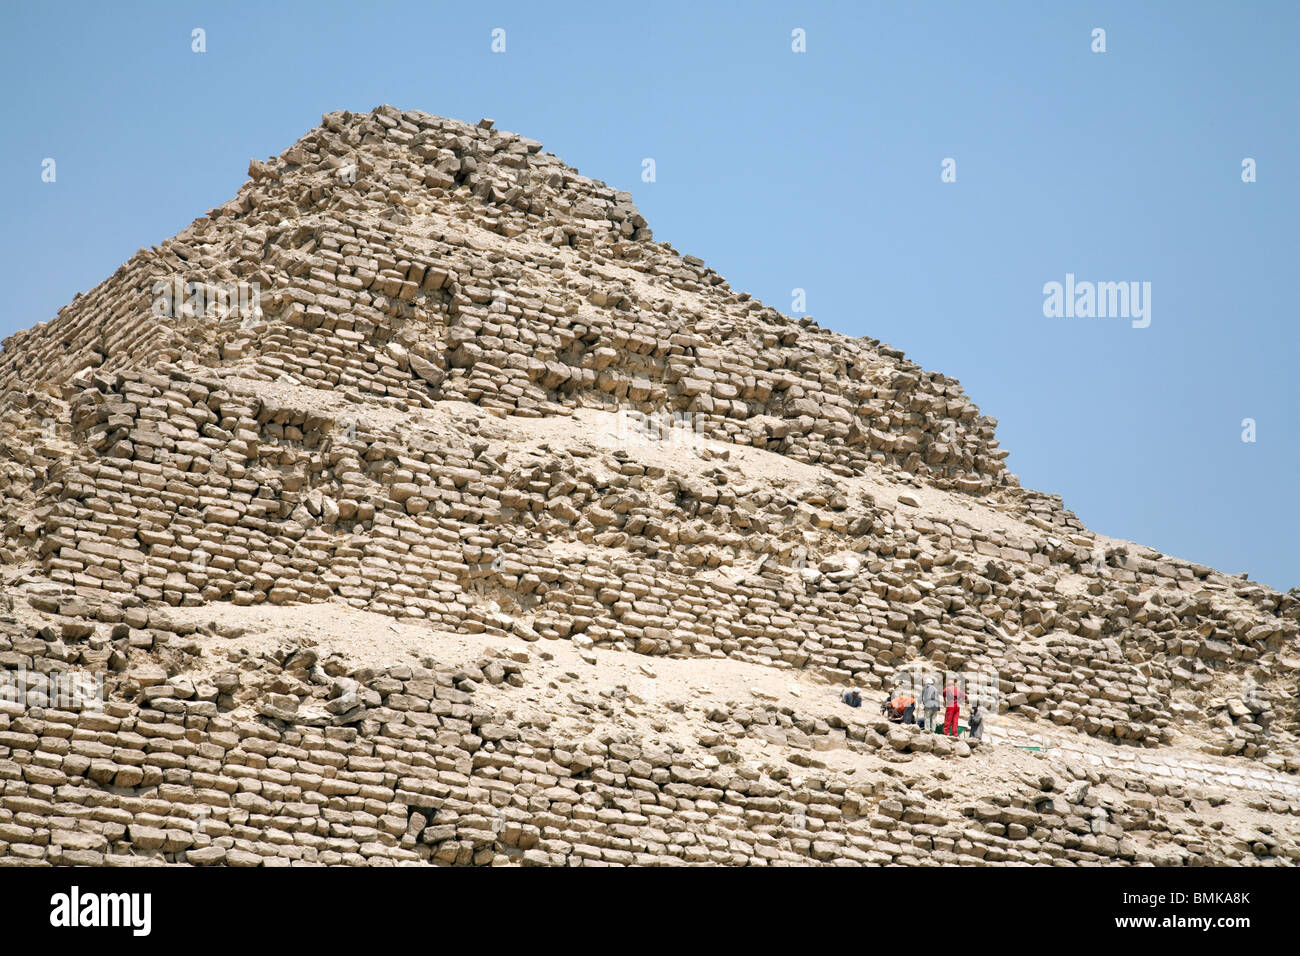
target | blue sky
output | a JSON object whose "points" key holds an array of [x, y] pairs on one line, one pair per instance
{"points": [[782, 170]]}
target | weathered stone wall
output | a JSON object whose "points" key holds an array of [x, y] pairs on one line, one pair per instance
{"points": [[518, 285], [409, 422], [184, 492], [413, 764]]}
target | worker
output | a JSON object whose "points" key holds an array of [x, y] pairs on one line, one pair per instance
{"points": [[852, 697], [930, 705], [953, 698], [976, 721], [902, 709]]}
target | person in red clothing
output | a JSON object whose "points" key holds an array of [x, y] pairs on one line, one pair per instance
{"points": [[953, 698]]}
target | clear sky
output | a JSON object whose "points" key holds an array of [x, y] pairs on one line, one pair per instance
{"points": [[818, 170]]}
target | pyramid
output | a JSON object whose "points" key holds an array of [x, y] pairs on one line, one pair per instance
{"points": [[419, 506]]}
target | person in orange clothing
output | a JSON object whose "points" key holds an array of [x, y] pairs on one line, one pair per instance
{"points": [[953, 698], [900, 708]]}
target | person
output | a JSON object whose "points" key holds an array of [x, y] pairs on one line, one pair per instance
{"points": [[888, 708], [930, 705], [953, 698], [976, 721], [852, 697], [904, 708]]}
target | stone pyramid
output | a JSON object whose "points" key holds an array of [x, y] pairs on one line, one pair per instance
{"points": [[419, 506]]}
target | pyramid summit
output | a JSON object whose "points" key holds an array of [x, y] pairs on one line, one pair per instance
{"points": [[418, 505]]}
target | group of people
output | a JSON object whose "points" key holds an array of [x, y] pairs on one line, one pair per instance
{"points": [[901, 708]]}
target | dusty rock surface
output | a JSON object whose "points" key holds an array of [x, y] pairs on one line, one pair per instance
{"points": [[418, 506]]}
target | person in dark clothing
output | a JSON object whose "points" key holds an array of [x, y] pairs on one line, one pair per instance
{"points": [[976, 721], [852, 697]]}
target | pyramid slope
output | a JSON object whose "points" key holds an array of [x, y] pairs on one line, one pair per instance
{"points": [[451, 234], [569, 550]]}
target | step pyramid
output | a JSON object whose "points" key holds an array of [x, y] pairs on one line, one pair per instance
{"points": [[418, 505]]}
